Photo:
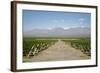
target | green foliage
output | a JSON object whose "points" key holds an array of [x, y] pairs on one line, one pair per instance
{"points": [[38, 45], [82, 44]]}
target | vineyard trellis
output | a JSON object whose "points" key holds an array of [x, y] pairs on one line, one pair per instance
{"points": [[33, 47], [82, 44]]}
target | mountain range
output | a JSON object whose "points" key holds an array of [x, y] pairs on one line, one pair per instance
{"points": [[59, 32]]}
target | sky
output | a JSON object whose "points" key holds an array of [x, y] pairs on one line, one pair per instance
{"points": [[33, 19]]}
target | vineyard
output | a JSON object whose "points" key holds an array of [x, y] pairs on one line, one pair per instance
{"points": [[81, 44], [32, 47]]}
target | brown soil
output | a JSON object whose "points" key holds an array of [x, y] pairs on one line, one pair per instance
{"points": [[57, 52]]}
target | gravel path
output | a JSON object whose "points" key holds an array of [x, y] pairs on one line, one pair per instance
{"points": [[57, 52]]}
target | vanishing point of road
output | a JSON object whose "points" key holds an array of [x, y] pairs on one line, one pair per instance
{"points": [[59, 51]]}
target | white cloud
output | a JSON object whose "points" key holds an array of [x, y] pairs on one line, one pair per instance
{"points": [[49, 28], [55, 21], [81, 19], [62, 20], [74, 27]]}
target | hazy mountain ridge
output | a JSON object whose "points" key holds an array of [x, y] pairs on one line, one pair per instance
{"points": [[59, 32]]}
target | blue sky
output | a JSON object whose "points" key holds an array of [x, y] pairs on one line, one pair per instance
{"points": [[51, 19]]}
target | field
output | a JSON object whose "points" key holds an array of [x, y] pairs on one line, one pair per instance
{"points": [[82, 44], [34, 48]]}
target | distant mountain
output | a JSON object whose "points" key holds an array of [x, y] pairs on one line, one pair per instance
{"points": [[59, 32]]}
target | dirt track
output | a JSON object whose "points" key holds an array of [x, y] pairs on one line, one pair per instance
{"points": [[59, 51]]}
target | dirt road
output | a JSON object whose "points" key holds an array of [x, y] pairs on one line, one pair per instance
{"points": [[59, 51]]}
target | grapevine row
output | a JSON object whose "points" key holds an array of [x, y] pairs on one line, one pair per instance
{"points": [[81, 44], [33, 47]]}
